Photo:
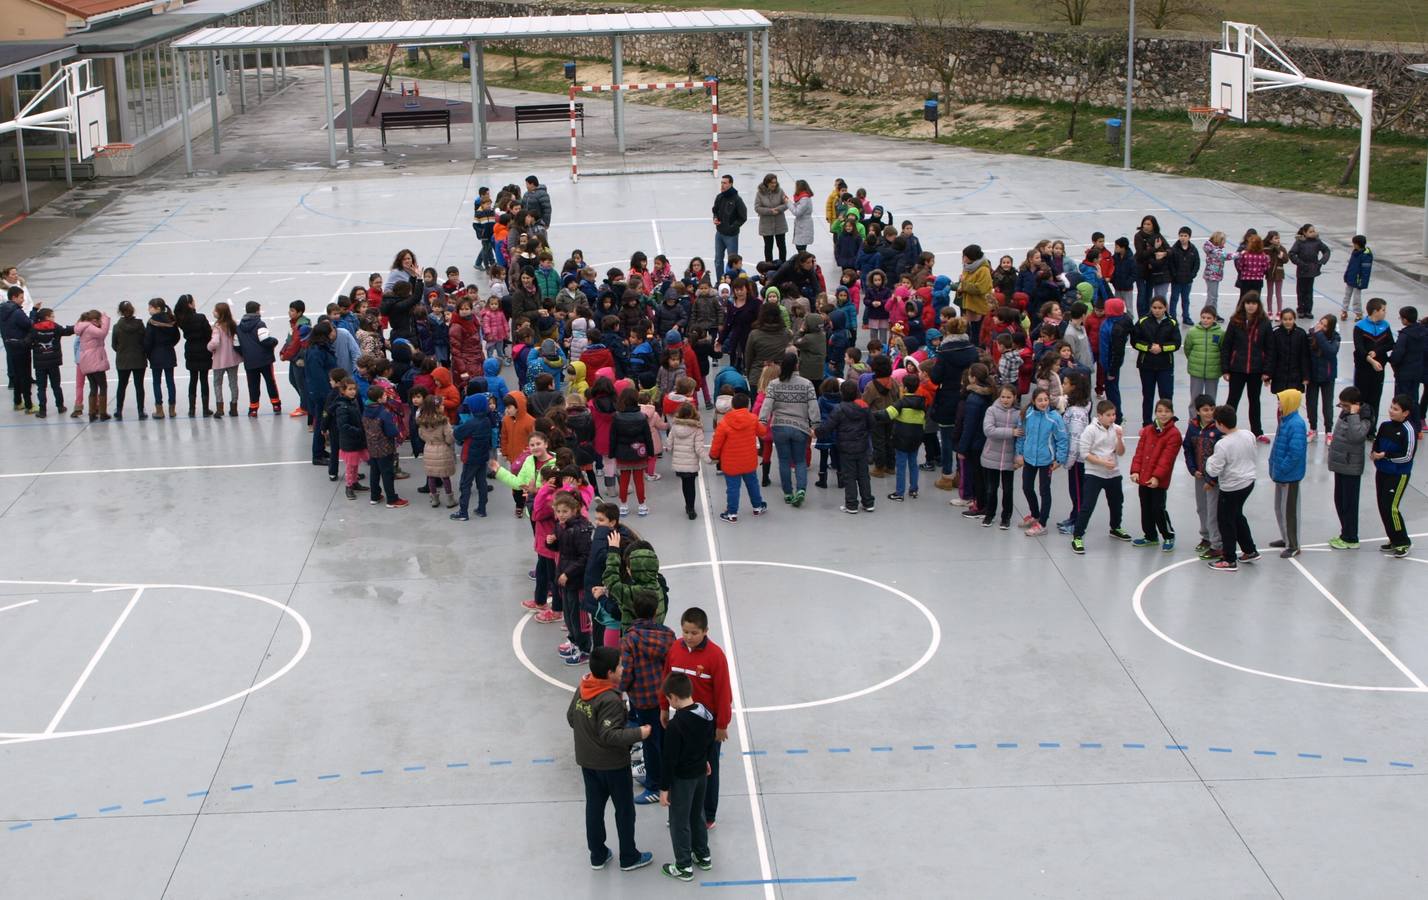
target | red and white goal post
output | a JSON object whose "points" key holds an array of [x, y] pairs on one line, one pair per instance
{"points": [[711, 86]]}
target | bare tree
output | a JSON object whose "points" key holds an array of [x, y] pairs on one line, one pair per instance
{"points": [[1101, 55], [942, 40], [799, 47], [1160, 14], [1072, 12]]}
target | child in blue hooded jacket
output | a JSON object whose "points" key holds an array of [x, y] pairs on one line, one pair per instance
{"points": [[1041, 449], [479, 422], [1286, 469]]}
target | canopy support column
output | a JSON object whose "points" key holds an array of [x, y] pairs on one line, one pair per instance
{"points": [[20, 144], [180, 59], [617, 72], [478, 110], [327, 114], [346, 93], [749, 77], [764, 54], [213, 102]]}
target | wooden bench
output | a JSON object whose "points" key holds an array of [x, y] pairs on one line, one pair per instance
{"points": [[549, 112], [416, 118]]}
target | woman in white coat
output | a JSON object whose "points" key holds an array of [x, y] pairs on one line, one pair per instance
{"points": [[802, 209]]}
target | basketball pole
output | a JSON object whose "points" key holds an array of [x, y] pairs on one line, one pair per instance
{"points": [[1130, 82]]}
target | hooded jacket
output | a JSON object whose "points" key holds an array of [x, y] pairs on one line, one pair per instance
{"points": [[686, 444], [1291, 439], [597, 716], [908, 415], [770, 207], [1184, 263], [255, 344], [127, 339], [1309, 256], [516, 426], [629, 435], [446, 392], [1155, 454], [729, 209], [1323, 356], [1046, 439], [1407, 356], [224, 348], [197, 332], [381, 430], [644, 574], [1371, 337], [954, 356], [468, 356], [161, 336], [1245, 348], [1115, 329], [736, 444], [1289, 362], [999, 424], [1162, 331], [438, 459], [1199, 444], [347, 416], [495, 384], [46, 344], [92, 357], [1350, 444], [766, 344], [318, 363], [1202, 351], [1359, 268]]}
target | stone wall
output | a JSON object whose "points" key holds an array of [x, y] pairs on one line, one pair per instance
{"points": [[872, 58]]}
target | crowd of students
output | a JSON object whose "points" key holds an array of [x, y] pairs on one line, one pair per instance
{"points": [[574, 391]]}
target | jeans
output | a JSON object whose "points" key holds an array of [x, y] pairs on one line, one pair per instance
{"points": [[906, 465], [653, 745], [1181, 293], [1092, 486], [601, 786], [159, 376], [792, 446], [1239, 382], [1032, 478], [723, 243], [731, 488], [1389, 489], [572, 612], [487, 257], [949, 456], [1113, 392], [1154, 381], [319, 446], [1234, 527], [1346, 504], [687, 832], [853, 472], [474, 470], [1142, 298], [382, 472]]}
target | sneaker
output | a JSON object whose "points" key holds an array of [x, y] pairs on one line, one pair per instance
{"points": [[987, 521], [971, 514], [691, 514], [351, 493], [624, 510], [1339, 543], [799, 497], [1385, 548], [609, 855], [788, 498], [1313, 435], [531, 604], [642, 510], [460, 517], [398, 503], [1027, 519], [853, 511], [546, 616], [647, 798], [1289, 553], [1143, 542], [868, 507], [705, 863], [761, 509], [912, 494], [729, 517], [1400, 552], [1078, 546], [1119, 534], [1224, 565], [577, 659], [1067, 527], [927, 467], [1210, 553], [1328, 439], [644, 860], [1277, 544], [1202, 546], [1167, 545], [958, 501], [375, 500], [565, 648], [1250, 557], [1005, 525], [1036, 530], [895, 496], [709, 826], [674, 871]]}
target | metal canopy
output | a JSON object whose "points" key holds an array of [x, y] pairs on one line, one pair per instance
{"points": [[450, 30]]}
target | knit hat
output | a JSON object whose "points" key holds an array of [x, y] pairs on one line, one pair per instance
{"points": [[673, 338], [932, 334], [725, 290], [772, 294], [569, 279], [548, 349]]}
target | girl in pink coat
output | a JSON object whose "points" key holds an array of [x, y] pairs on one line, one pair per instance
{"points": [[224, 348], [92, 329]]}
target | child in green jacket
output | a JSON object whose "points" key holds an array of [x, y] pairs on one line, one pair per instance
{"points": [[1202, 356]]}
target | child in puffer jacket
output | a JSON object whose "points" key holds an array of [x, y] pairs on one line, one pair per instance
{"points": [[1041, 448], [1151, 468], [686, 449], [1002, 426]]}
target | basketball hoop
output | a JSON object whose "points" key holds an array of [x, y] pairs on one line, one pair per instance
{"points": [[119, 156], [1202, 116]]}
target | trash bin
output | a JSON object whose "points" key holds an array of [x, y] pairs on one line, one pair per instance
{"points": [[570, 71], [466, 59], [1113, 132], [929, 109], [413, 55]]}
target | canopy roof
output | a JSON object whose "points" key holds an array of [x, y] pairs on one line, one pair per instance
{"points": [[435, 31]]}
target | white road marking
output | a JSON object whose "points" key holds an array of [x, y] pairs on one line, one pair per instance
{"points": [[257, 465], [94, 661], [1363, 629], [18, 605]]}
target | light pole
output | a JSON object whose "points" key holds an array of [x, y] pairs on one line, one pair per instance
{"points": [[1130, 81], [1422, 69]]}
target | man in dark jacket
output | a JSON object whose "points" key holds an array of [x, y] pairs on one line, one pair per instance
{"points": [[602, 750], [730, 214], [14, 328], [537, 200], [256, 345]]}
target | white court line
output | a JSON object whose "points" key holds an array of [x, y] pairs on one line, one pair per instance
{"points": [[275, 280], [1363, 629], [346, 280], [242, 290], [284, 237], [740, 718], [257, 465], [654, 227], [197, 274], [93, 661], [18, 605]]}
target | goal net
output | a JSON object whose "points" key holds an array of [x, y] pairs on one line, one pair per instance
{"points": [[680, 150]]}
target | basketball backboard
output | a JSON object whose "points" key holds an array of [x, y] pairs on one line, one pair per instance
{"points": [[90, 122], [1229, 83]]}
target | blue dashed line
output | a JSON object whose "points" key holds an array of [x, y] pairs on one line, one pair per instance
{"points": [[839, 750], [22, 826], [110, 809], [881, 749], [1132, 746], [1221, 750], [1266, 753], [543, 761], [1176, 747], [1402, 765], [370, 772], [198, 794], [241, 787], [457, 765], [755, 753], [796, 751], [66, 817], [1049, 745], [1009, 745], [329, 777], [500, 762], [1355, 759], [286, 781], [923, 747], [964, 746], [1090, 745], [1311, 756], [413, 768], [154, 800]]}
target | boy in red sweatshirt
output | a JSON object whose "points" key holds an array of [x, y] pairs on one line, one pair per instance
{"points": [[704, 662]]}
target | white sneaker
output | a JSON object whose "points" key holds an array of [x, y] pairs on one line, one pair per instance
{"points": [[958, 501], [643, 510]]}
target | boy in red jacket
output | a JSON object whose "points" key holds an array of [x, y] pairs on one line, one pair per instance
{"points": [[1151, 468], [704, 662], [736, 448]]}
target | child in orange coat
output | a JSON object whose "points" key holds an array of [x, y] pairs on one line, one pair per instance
{"points": [[446, 392], [736, 449]]}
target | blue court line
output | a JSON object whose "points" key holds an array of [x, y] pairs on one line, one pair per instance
{"points": [[22, 826], [1221, 750], [1355, 759], [1266, 753], [241, 787], [1159, 202], [458, 765], [880, 749], [1007, 745], [839, 750], [198, 794], [543, 761], [1311, 756], [500, 762], [329, 777], [1176, 747], [755, 753], [759, 882], [1087, 745], [110, 809], [66, 817], [370, 772], [923, 747], [1401, 765], [1049, 745], [795, 751], [413, 768], [285, 781], [122, 253], [1132, 746], [152, 801], [964, 746]]}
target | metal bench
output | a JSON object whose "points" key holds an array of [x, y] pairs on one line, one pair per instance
{"points": [[549, 112], [416, 118]]}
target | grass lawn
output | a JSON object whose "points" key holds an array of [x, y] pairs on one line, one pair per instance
{"points": [[1297, 159], [1377, 20]]}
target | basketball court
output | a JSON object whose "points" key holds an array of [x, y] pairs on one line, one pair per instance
{"points": [[227, 680]]}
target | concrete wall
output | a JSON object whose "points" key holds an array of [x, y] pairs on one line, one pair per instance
{"points": [[26, 20], [871, 58]]}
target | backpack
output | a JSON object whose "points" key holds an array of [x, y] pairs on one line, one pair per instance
{"points": [[294, 346]]}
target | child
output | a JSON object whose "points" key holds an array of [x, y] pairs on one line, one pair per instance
{"points": [[1077, 388], [1002, 427], [351, 434], [572, 546], [849, 427], [494, 329], [483, 222], [1184, 266], [686, 448], [632, 445], [673, 369], [256, 345], [687, 745], [703, 661], [1356, 277], [1215, 257], [1345, 458], [478, 422], [1286, 469], [380, 428], [735, 449], [1200, 437], [438, 457], [1323, 372], [1373, 344], [1156, 338], [1151, 467], [161, 336], [1289, 361], [828, 400], [876, 311], [643, 649], [46, 345], [658, 425], [1102, 446], [908, 415], [1041, 449], [1202, 357], [1310, 255], [1407, 358], [1232, 466], [1393, 449]]}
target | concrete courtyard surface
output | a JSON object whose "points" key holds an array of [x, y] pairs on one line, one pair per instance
{"points": [[229, 681]]}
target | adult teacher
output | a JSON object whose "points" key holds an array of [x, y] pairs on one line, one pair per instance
{"points": [[770, 204], [730, 214], [791, 409]]}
